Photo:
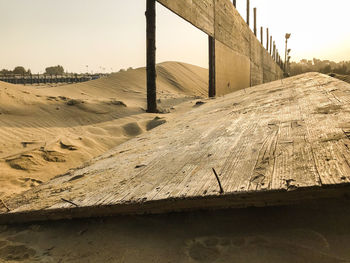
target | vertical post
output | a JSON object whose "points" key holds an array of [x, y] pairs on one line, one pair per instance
{"points": [[248, 11], [234, 3], [151, 56], [286, 53], [212, 80], [270, 45], [262, 35], [267, 39], [285, 56], [255, 21], [274, 51], [280, 60]]}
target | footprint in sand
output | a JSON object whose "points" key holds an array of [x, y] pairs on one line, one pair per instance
{"points": [[23, 162], [29, 182], [53, 156], [25, 144], [256, 249], [52, 98], [73, 102], [15, 252], [67, 146], [116, 103], [132, 129]]}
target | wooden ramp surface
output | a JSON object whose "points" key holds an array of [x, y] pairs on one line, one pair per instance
{"points": [[277, 143]]}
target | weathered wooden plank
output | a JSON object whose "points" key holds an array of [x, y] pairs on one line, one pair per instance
{"points": [[280, 142]]}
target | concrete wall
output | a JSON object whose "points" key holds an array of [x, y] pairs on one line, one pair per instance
{"points": [[241, 60], [232, 70]]}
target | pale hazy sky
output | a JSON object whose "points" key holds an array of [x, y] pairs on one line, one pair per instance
{"points": [[111, 33]]}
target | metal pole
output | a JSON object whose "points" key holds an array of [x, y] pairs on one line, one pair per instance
{"points": [[151, 56]]}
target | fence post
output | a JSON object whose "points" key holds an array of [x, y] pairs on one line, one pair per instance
{"points": [[262, 35], [267, 39], [255, 21], [248, 11], [270, 45], [151, 56], [234, 3]]}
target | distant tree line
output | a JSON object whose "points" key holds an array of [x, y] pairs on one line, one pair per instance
{"points": [[322, 66], [19, 70], [56, 70]]}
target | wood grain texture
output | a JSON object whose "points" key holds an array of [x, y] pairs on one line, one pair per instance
{"points": [[277, 143]]}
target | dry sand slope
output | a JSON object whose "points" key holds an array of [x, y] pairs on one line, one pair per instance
{"points": [[46, 131]]}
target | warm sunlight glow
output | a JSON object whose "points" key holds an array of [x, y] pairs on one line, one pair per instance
{"points": [[319, 28], [110, 34]]}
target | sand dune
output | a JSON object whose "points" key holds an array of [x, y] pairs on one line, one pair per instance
{"points": [[46, 131]]}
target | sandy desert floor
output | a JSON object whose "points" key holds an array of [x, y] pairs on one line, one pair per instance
{"points": [[312, 233], [46, 131]]}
